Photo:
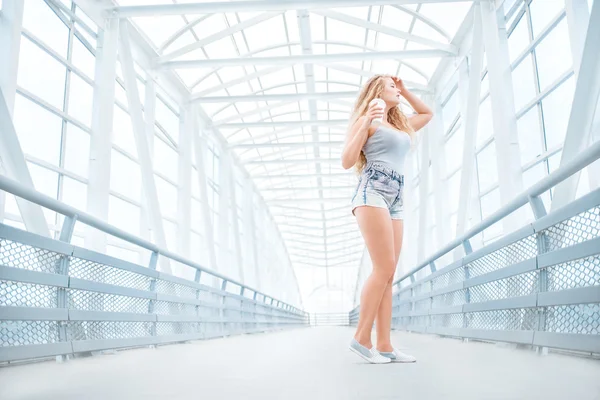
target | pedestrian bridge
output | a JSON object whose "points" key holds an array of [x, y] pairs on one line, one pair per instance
{"points": [[172, 198], [308, 363], [516, 319]]}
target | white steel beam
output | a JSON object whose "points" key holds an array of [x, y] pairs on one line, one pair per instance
{"points": [[285, 144], [181, 31], [583, 110], [199, 152], [11, 154], [13, 162], [242, 79], [250, 229], [304, 59], [271, 189], [578, 16], [237, 235], [386, 30], [293, 161], [258, 110], [219, 35], [428, 21], [278, 124], [412, 86], [446, 67], [332, 175], [469, 90], [141, 142], [250, 6], [508, 155], [98, 187], [309, 74], [224, 212], [438, 165], [149, 119], [314, 200], [275, 97], [423, 192], [11, 25], [184, 179]]}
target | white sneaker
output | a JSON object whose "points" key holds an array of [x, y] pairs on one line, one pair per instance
{"points": [[398, 356], [370, 355]]}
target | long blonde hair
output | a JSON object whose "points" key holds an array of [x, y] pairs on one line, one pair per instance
{"points": [[372, 89]]}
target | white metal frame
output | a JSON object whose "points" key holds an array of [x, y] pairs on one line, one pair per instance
{"points": [[307, 145], [241, 6], [11, 155]]}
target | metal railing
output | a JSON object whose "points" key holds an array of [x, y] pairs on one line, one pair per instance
{"points": [[539, 285], [58, 299], [329, 319]]}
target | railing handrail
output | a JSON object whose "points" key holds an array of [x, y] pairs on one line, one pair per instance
{"points": [[586, 157], [20, 190]]}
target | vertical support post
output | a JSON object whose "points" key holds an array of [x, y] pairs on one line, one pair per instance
{"points": [[149, 120], [224, 213], [251, 240], [583, 111], [423, 194], [467, 275], [62, 301], [141, 142], [470, 88], [11, 154], [197, 277], [510, 175], [438, 165], [236, 225], [578, 17], [184, 192], [199, 152], [432, 267], [98, 187], [537, 206], [222, 310], [13, 161], [11, 25], [467, 247], [542, 247], [151, 304]]}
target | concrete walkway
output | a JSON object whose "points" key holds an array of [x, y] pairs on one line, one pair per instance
{"points": [[310, 363]]}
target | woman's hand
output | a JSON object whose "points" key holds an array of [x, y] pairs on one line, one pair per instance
{"points": [[373, 112], [399, 84], [424, 113], [357, 136]]}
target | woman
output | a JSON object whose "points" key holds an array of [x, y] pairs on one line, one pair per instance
{"points": [[378, 151]]}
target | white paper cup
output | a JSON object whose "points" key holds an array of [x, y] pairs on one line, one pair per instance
{"points": [[381, 104]]}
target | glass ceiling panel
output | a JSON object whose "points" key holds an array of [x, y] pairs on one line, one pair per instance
{"points": [[344, 32], [426, 31], [267, 33], [222, 48], [394, 18], [448, 16], [157, 29]]}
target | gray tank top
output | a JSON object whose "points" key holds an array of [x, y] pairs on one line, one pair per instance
{"points": [[388, 146]]}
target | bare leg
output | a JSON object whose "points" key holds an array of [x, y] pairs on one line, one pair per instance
{"points": [[376, 227], [383, 320]]}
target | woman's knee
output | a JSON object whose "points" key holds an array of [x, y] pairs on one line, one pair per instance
{"points": [[391, 280], [386, 271]]}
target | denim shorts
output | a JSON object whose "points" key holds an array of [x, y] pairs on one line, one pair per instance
{"points": [[380, 186]]}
